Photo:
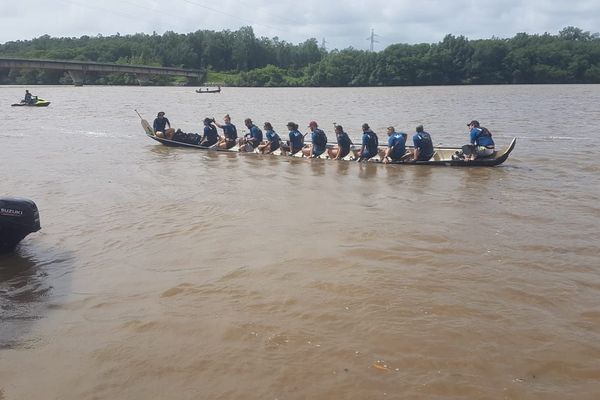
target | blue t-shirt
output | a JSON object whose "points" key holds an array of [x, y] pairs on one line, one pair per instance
{"points": [[371, 142], [296, 140], [160, 124], [319, 141], [481, 138], [397, 143], [272, 136], [344, 141], [229, 131], [422, 141], [210, 133], [255, 134]]}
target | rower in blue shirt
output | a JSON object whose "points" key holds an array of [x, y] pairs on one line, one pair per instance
{"points": [[423, 145], [230, 136], [370, 144], [396, 146], [296, 141], [253, 138], [210, 137], [343, 144], [318, 139], [482, 144], [273, 140]]}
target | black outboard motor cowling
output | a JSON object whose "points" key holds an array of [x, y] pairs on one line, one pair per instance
{"points": [[18, 218]]}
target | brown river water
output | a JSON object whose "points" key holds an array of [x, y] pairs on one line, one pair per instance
{"points": [[170, 273]]}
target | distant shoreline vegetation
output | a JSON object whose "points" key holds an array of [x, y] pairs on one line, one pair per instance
{"points": [[239, 58]]}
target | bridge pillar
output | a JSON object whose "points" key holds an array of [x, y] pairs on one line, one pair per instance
{"points": [[143, 79], [77, 77]]}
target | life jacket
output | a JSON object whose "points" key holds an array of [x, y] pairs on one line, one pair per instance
{"points": [[426, 145], [256, 133], [485, 132], [274, 137], [230, 132], [321, 139], [344, 140], [296, 139], [372, 142], [211, 134], [400, 143], [484, 138]]}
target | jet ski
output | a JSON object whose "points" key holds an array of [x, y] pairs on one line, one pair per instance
{"points": [[18, 218], [36, 102]]}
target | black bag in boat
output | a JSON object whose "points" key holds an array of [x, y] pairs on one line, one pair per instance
{"points": [[190, 138]]}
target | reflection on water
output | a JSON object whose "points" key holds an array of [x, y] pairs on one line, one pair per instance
{"points": [[22, 288], [28, 277], [367, 170], [317, 167]]}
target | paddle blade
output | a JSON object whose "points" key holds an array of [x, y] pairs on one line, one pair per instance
{"points": [[147, 128]]}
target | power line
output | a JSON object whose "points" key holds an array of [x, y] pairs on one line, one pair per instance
{"points": [[230, 15], [276, 16]]}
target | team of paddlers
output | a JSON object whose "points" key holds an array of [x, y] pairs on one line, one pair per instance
{"points": [[481, 142]]}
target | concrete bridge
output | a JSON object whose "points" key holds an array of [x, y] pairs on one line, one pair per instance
{"points": [[77, 69]]}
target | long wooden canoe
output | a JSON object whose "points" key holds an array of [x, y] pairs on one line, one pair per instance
{"points": [[442, 156]]}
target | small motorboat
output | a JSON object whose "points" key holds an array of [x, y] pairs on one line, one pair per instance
{"points": [[18, 218], [208, 90], [36, 102]]}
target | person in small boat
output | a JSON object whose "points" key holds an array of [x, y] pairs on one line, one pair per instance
{"points": [[396, 150], [343, 144], [370, 144], [318, 139], [273, 140], [160, 126], [230, 135], [254, 138], [423, 145], [210, 136], [296, 141], [481, 142]]}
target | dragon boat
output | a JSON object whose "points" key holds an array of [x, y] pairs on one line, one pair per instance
{"points": [[442, 156]]}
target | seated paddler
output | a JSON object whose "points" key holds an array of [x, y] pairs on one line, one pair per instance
{"points": [[318, 139], [296, 142], [343, 144], [273, 140], [210, 135], [253, 138], [230, 135], [423, 145], [396, 150], [160, 126], [481, 142]]}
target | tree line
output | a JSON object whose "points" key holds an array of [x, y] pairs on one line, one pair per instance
{"points": [[239, 58]]}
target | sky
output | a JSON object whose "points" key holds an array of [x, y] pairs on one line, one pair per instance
{"points": [[340, 24]]}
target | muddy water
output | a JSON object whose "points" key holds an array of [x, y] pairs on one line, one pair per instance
{"points": [[173, 273]]}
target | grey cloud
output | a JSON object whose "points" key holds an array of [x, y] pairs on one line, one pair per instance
{"points": [[341, 23]]}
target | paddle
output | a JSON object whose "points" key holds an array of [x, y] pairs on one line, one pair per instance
{"points": [[147, 128]]}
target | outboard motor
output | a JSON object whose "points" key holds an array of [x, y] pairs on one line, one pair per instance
{"points": [[18, 218]]}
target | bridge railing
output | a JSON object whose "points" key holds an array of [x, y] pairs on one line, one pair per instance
{"points": [[77, 69]]}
